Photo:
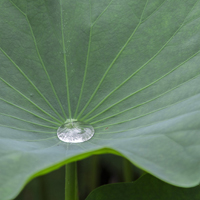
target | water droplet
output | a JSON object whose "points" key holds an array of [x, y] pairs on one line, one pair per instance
{"points": [[75, 132]]}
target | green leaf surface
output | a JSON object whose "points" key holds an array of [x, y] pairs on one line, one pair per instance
{"points": [[147, 187], [130, 68]]}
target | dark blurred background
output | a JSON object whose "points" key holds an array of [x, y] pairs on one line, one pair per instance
{"points": [[92, 172]]}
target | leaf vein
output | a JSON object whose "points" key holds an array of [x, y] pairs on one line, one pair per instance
{"points": [[146, 114], [42, 63], [65, 60], [153, 57], [29, 100], [4, 114], [29, 111], [161, 95], [119, 53], [26, 130], [34, 86]]}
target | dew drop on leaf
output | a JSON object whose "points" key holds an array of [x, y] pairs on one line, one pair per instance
{"points": [[75, 132]]}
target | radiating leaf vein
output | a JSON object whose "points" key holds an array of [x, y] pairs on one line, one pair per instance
{"points": [[88, 53], [17, 118], [26, 130], [161, 95], [29, 111], [65, 60], [119, 53], [153, 57], [40, 58], [154, 111], [47, 74], [31, 83], [161, 5], [29, 100]]}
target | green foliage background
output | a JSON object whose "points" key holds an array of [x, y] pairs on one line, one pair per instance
{"points": [[147, 187]]}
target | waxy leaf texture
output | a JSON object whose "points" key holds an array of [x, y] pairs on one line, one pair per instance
{"points": [[130, 68]]}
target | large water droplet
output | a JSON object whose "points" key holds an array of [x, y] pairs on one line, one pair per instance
{"points": [[75, 132]]}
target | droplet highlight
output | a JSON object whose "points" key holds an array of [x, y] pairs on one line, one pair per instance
{"points": [[75, 132]]}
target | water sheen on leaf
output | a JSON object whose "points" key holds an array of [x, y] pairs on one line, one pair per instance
{"points": [[129, 68]]}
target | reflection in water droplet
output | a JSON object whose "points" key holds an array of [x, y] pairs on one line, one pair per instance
{"points": [[75, 132]]}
